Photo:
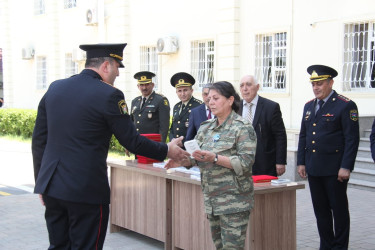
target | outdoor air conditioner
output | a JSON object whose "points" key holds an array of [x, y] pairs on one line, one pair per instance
{"points": [[28, 53], [167, 45], [78, 55], [91, 15]]}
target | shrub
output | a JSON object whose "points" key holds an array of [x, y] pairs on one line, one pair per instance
{"points": [[21, 122], [18, 122]]}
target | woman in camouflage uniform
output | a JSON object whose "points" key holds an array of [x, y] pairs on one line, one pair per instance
{"points": [[228, 145]]}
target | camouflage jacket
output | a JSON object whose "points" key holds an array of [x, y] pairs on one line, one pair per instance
{"points": [[227, 190]]}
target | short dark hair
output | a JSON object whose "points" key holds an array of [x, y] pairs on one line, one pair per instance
{"points": [[97, 61], [226, 89]]}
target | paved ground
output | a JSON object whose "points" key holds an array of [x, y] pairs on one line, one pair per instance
{"points": [[22, 224]]}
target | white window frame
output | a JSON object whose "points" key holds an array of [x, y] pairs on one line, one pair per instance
{"points": [[203, 62], [69, 4], [41, 72], [359, 56], [149, 61], [271, 60], [71, 67], [39, 7]]}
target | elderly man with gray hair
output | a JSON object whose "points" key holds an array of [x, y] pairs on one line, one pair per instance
{"points": [[199, 114], [266, 118]]}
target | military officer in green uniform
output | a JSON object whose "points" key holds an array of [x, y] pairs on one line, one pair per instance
{"points": [[183, 83], [150, 111]]}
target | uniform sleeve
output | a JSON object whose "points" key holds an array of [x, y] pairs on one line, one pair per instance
{"points": [[302, 143], [39, 137], [350, 129], [246, 148], [279, 133], [372, 140], [124, 130], [191, 131], [131, 110], [164, 117]]}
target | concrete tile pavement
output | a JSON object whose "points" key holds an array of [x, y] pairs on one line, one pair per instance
{"points": [[22, 224]]}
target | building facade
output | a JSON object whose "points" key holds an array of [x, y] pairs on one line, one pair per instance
{"points": [[213, 40]]}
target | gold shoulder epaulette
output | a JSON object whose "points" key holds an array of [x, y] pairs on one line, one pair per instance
{"points": [[344, 98]]}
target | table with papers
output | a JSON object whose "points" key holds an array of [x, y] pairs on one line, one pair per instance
{"points": [[168, 206]]}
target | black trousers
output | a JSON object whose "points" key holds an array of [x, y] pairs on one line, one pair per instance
{"points": [[75, 225], [331, 209]]}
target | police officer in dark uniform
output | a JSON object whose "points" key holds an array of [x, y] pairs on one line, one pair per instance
{"points": [[150, 111], [183, 83], [327, 149], [76, 119]]}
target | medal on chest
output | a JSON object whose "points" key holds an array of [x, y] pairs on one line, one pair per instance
{"points": [[216, 138]]}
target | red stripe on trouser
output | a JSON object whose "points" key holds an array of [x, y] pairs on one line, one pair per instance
{"points": [[100, 226]]}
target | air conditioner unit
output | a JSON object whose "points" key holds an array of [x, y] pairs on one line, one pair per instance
{"points": [[78, 55], [167, 45], [91, 16], [28, 53]]}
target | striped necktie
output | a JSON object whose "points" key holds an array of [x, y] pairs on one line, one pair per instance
{"points": [[250, 115]]}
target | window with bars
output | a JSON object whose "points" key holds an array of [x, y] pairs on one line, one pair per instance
{"points": [[359, 56], [202, 62], [71, 67], [68, 4], [271, 60], [41, 72], [39, 7], [149, 62]]}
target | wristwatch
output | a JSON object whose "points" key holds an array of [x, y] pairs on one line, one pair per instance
{"points": [[216, 158]]}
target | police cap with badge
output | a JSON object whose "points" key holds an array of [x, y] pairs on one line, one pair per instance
{"points": [[321, 72], [182, 79], [113, 50], [144, 77]]}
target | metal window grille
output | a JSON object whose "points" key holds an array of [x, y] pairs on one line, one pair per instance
{"points": [[71, 67], [41, 72], [359, 56], [68, 4], [203, 62], [149, 61], [271, 60], [39, 7]]}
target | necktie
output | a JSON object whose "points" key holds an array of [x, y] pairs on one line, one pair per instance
{"points": [[143, 102], [319, 111], [209, 114], [182, 108], [250, 115]]}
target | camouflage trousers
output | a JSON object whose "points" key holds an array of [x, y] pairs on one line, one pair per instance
{"points": [[229, 230]]}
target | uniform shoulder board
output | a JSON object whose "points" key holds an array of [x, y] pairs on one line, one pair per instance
{"points": [[108, 84], [343, 98], [159, 94], [310, 101], [197, 100]]}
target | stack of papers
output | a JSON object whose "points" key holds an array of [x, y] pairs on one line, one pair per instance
{"points": [[280, 181], [194, 172], [158, 164]]}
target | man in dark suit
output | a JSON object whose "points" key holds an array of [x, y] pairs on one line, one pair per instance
{"points": [[76, 119], [372, 140], [183, 83], [150, 111], [199, 114], [265, 115], [327, 148]]}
